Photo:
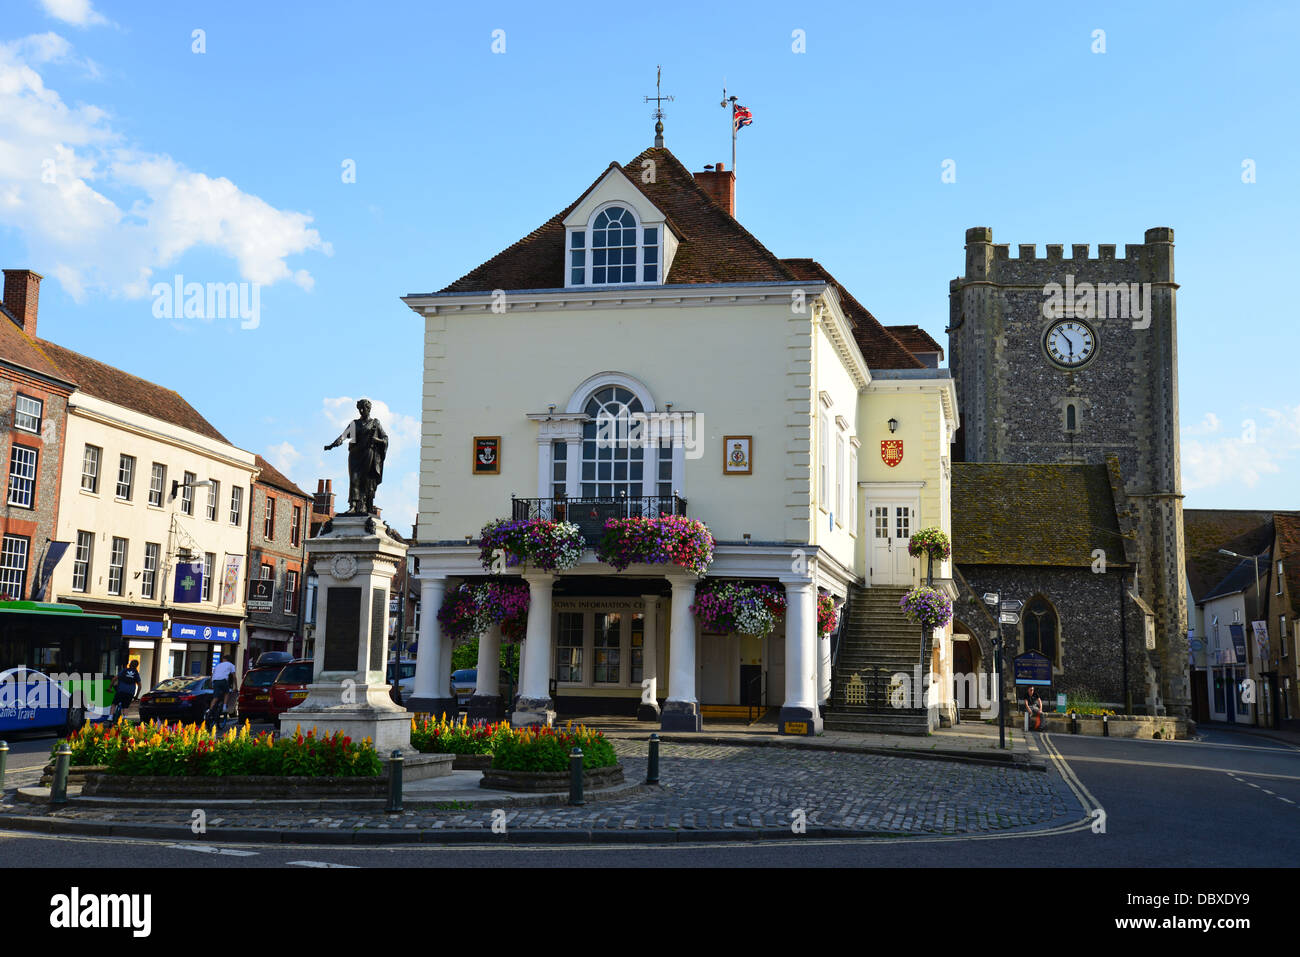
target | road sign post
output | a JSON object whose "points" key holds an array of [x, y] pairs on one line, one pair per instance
{"points": [[991, 599]]}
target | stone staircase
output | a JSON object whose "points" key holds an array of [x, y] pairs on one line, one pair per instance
{"points": [[878, 641]]}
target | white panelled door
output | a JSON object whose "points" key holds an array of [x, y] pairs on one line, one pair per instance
{"points": [[892, 522]]}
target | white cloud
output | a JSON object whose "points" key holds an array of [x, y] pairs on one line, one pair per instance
{"points": [[80, 13], [1208, 425], [101, 215], [1268, 445], [283, 456]]}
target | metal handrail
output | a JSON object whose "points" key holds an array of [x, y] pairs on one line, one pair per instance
{"points": [[590, 512]]}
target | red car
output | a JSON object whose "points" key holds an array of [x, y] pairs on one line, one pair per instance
{"points": [[290, 686], [255, 693]]}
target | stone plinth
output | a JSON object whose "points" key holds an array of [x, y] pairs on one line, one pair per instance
{"points": [[355, 560]]}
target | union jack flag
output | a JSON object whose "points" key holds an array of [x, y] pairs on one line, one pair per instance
{"points": [[740, 116]]}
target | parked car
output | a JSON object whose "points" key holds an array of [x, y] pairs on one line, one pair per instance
{"points": [[255, 693], [463, 683], [290, 686], [268, 658], [181, 698], [406, 680]]}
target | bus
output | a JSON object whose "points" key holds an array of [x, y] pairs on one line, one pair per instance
{"points": [[57, 663]]}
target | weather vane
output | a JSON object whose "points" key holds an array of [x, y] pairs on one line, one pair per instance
{"points": [[658, 113]]}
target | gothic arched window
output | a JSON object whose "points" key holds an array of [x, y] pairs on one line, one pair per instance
{"points": [[1040, 627], [1071, 418]]}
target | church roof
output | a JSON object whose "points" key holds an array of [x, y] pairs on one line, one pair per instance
{"points": [[1206, 530], [1005, 514], [713, 248]]}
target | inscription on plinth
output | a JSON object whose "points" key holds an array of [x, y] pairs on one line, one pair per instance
{"points": [[378, 608], [342, 628]]}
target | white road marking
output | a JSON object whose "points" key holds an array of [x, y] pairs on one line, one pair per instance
{"points": [[352, 867], [210, 849], [1288, 800]]}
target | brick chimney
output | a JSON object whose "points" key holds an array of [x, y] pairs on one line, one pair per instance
{"points": [[720, 183], [22, 292], [323, 501]]}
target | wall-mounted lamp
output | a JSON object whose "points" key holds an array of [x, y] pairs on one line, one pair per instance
{"points": [[668, 406], [746, 537], [467, 538], [551, 408], [177, 485], [893, 426]]}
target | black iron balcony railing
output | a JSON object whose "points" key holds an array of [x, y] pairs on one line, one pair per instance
{"points": [[590, 513]]}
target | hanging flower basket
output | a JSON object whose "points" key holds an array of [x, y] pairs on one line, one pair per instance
{"points": [[929, 541], [505, 603], [460, 615], [927, 606], [827, 615], [667, 540], [749, 608], [538, 543]]}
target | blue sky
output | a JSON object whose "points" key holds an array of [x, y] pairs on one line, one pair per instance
{"points": [[227, 166]]}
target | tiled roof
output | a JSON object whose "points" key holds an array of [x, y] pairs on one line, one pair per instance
{"points": [[1206, 530], [121, 388], [915, 339], [17, 347], [270, 475], [1288, 550], [1032, 515], [713, 248], [1240, 577], [879, 348]]}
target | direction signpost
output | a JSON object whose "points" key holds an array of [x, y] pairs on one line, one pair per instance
{"points": [[991, 598]]}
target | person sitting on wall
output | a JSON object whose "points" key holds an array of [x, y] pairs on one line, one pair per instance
{"points": [[1034, 705]]}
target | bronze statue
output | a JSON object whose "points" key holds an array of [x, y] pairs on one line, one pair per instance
{"points": [[367, 446]]}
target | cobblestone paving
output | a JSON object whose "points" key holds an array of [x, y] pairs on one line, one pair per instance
{"points": [[721, 787]]}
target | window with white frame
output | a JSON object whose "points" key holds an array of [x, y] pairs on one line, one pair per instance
{"points": [[90, 468], [214, 496], [209, 566], [13, 566], [22, 476], [824, 462], [290, 592], [125, 476], [839, 479], [295, 528], [615, 250], [1279, 578], [853, 490], [157, 483], [187, 493], [116, 565], [81, 561], [149, 576], [559, 468], [606, 655], [568, 647], [268, 528], [27, 413], [236, 504], [614, 461]]}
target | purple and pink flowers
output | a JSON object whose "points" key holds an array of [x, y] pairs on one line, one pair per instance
{"points": [[927, 606], [545, 545], [667, 540], [750, 608], [469, 611], [929, 541]]}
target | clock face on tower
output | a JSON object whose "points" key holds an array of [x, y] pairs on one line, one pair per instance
{"points": [[1070, 343]]}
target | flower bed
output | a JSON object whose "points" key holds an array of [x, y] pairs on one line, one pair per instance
{"points": [[667, 540], [544, 545], [547, 750], [457, 737], [927, 606], [177, 750], [744, 607]]}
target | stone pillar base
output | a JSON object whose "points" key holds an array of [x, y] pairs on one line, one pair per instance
{"points": [[800, 721], [389, 730], [648, 712], [532, 712], [681, 716], [434, 706], [486, 707]]}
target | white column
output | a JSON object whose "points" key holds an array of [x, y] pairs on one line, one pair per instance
{"points": [[649, 707], [800, 707], [428, 659], [681, 710], [442, 680], [489, 662], [823, 663], [535, 705]]}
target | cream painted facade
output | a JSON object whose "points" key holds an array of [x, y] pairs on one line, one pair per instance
{"points": [[776, 361], [98, 517]]}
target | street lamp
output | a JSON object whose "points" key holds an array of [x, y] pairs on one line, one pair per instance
{"points": [[1259, 608]]}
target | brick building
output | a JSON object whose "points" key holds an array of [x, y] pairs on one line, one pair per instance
{"points": [[33, 412], [277, 536]]}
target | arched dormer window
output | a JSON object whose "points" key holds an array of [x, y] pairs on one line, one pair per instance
{"points": [[614, 250], [1041, 628]]}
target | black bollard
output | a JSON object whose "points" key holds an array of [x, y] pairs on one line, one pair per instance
{"points": [[1105, 726], [4, 759], [395, 782], [575, 778], [1074, 722], [652, 765], [59, 787]]}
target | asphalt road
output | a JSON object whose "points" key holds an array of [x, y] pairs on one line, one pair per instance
{"points": [[1229, 800]]}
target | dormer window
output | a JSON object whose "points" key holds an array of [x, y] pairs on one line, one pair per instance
{"points": [[615, 250]]}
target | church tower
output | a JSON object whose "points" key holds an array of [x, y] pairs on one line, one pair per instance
{"points": [[1072, 360]]}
